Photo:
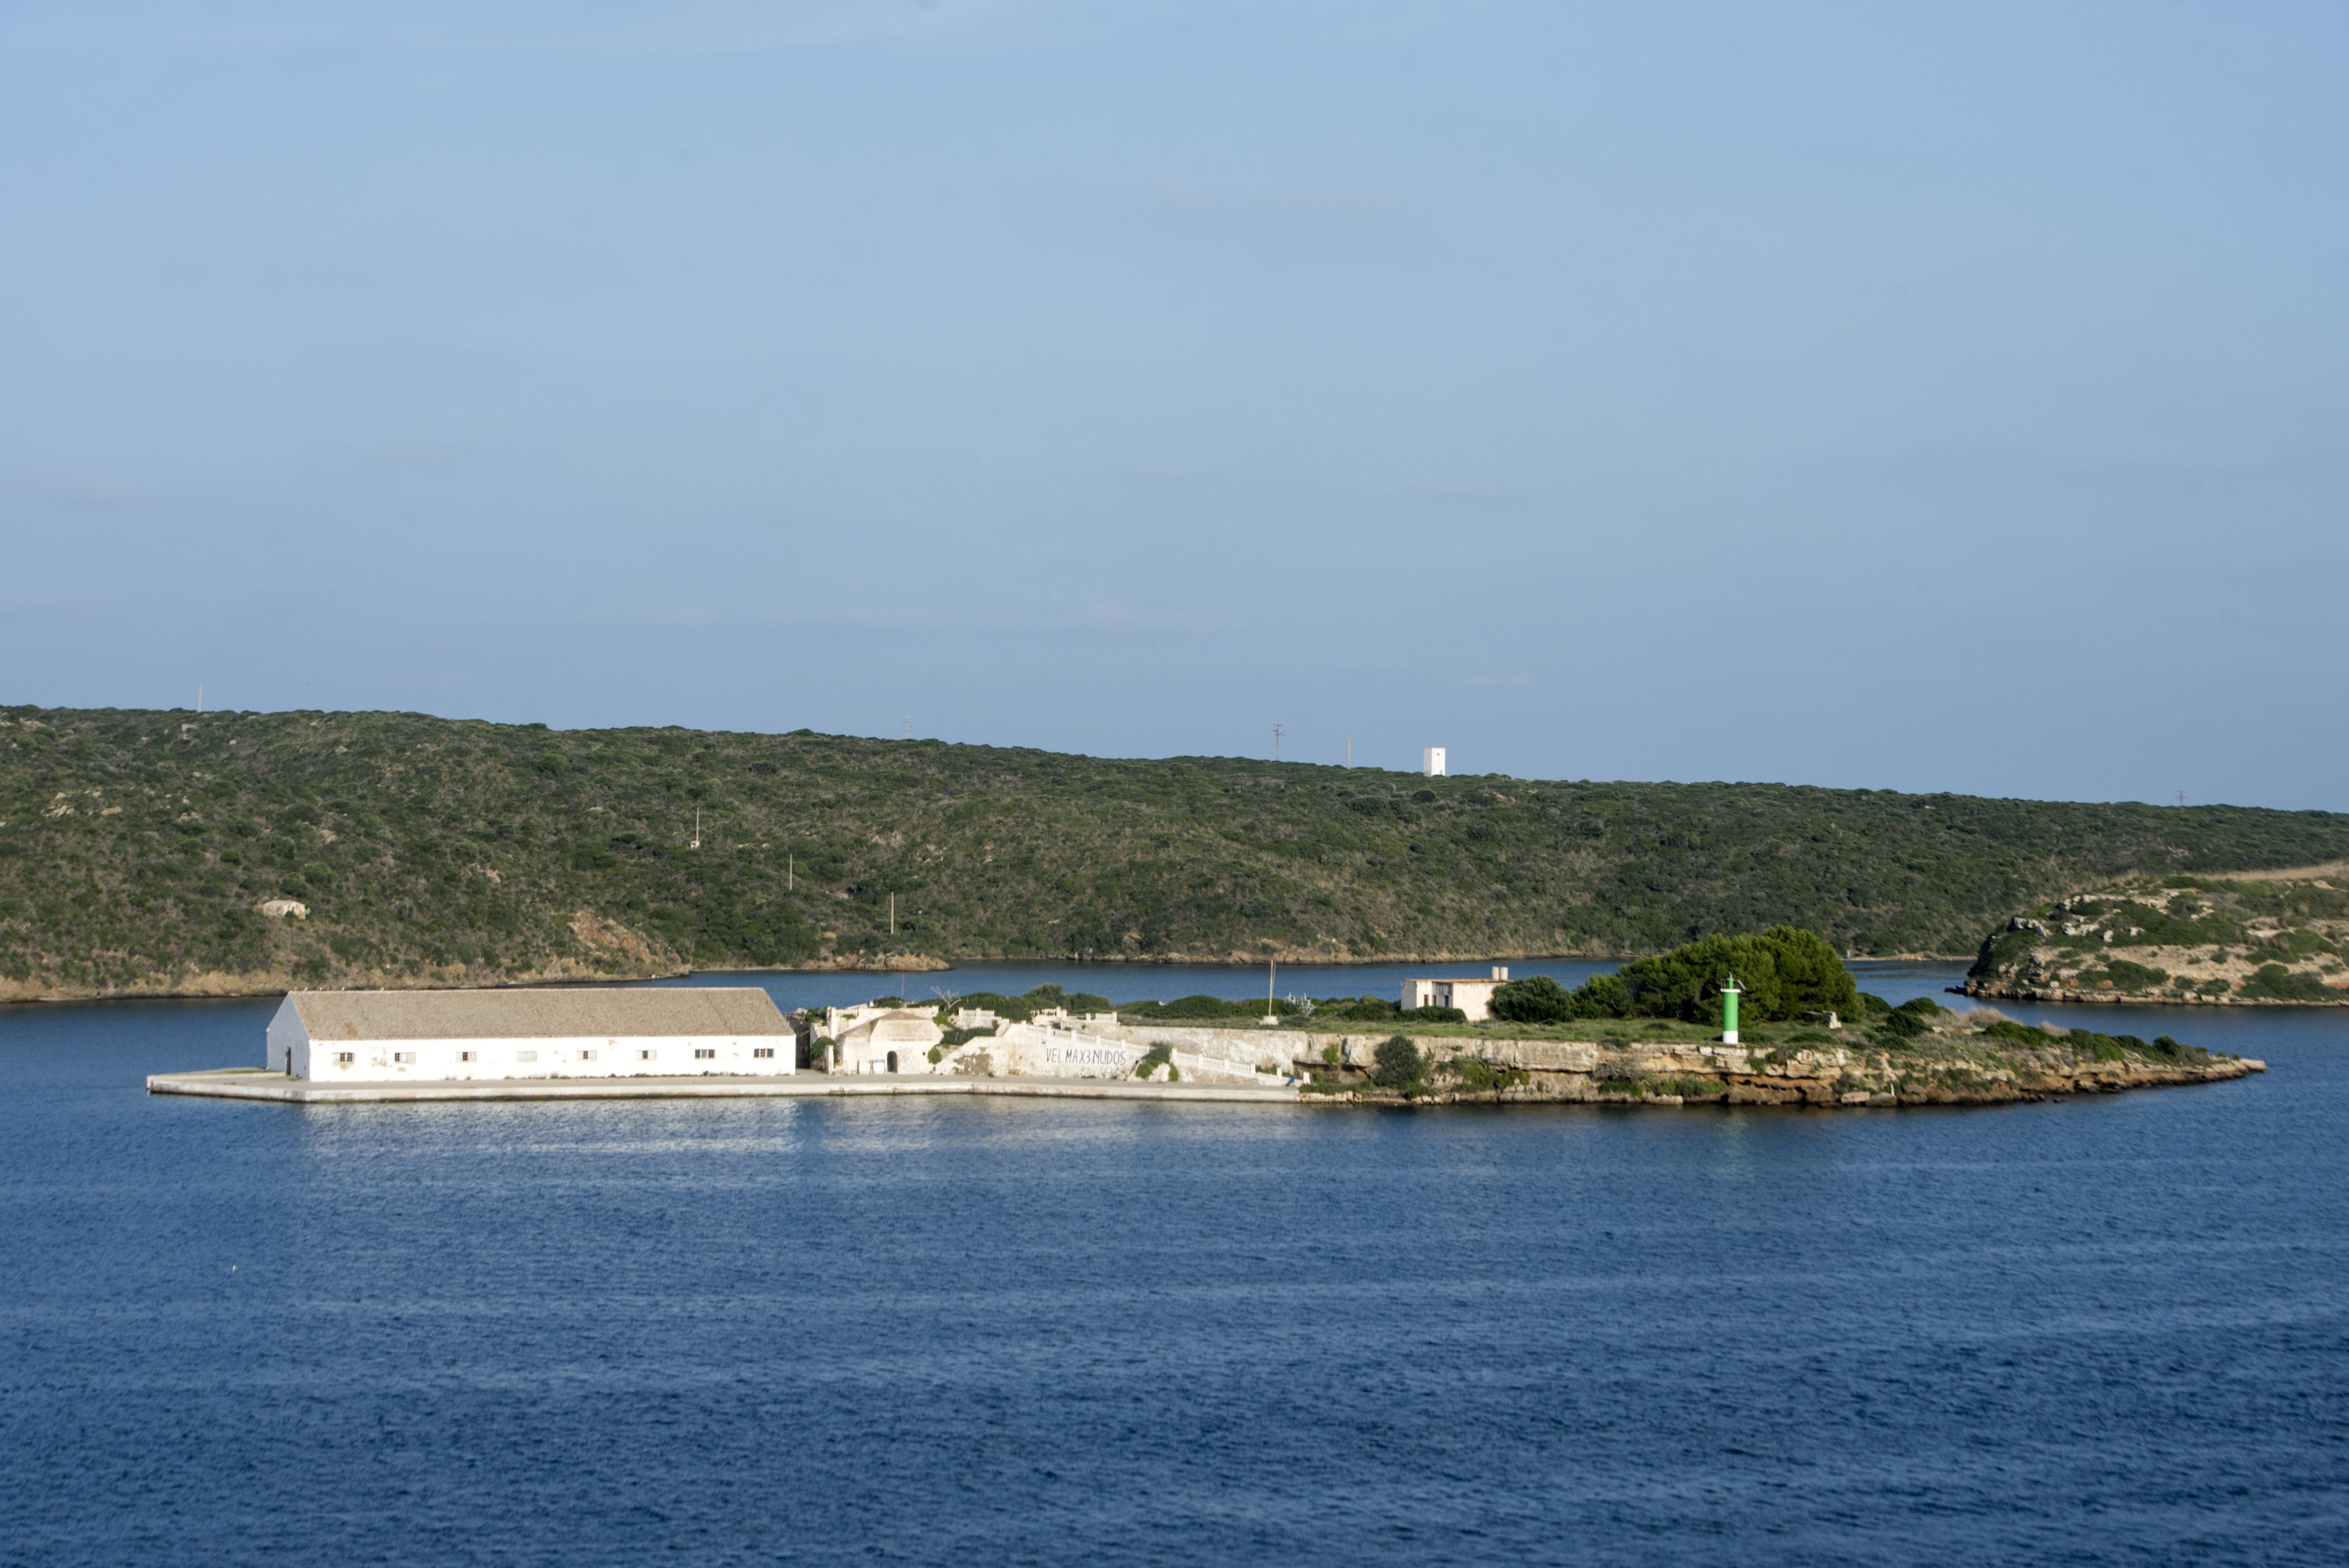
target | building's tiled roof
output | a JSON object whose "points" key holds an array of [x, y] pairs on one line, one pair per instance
{"points": [[530, 1013]]}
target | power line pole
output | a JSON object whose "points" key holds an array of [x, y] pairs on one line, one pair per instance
{"points": [[2182, 797], [1278, 731], [1349, 751], [909, 726]]}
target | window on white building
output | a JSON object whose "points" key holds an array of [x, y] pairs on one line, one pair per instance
{"points": [[703, 1055], [525, 1056], [643, 1055], [342, 1058], [762, 1052], [586, 1056], [403, 1056], [465, 1056]]}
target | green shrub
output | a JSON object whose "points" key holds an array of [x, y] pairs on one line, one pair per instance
{"points": [[1785, 971], [1044, 998], [2101, 1048], [2273, 982], [1159, 1055], [1477, 1074], [1202, 1007], [1431, 1015], [1398, 1063], [1537, 999]]}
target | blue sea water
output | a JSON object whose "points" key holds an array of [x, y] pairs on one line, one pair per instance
{"points": [[2112, 1329]]}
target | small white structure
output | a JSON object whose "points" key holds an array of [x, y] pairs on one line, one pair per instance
{"points": [[376, 1037], [280, 908], [883, 1039], [1473, 998], [1430, 762]]}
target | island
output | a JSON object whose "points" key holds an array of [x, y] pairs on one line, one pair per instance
{"points": [[1668, 1031]]}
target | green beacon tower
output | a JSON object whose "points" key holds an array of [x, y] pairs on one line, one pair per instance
{"points": [[1729, 994]]}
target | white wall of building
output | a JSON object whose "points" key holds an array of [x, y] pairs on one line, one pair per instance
{"points": [[1430, 762], [865, 1039], [285, 1031], [1473, 998], [458, 1061]]}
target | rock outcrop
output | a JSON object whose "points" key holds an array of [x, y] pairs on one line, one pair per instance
{"points": [[2264, 940]]}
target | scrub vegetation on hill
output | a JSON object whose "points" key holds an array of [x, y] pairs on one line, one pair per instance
{"points": [[135, 846], [2239, 941]]}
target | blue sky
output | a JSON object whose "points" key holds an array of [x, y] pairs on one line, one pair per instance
{"points": [[1921, 397]]}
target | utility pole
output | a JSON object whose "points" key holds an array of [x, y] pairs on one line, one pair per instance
{"points": [[697, 830], [2182, 797], [1349, 751], [790, 871], [909, 726], [892, 914], [200, 697], [1270, 965], [1278, 731]]}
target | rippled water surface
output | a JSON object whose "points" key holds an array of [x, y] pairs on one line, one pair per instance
{"points": [[2107, 1330]]}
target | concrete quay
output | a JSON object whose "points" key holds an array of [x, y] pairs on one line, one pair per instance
{"points": [[259, 1083]]}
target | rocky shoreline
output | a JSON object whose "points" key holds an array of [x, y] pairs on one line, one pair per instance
{"points": [[2010, 992], [1949, 1070]]}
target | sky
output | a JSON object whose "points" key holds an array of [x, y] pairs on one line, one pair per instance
{"points": [[1922, 397]]}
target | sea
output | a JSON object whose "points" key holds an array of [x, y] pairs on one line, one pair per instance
{"points": [[2110, 1329]]}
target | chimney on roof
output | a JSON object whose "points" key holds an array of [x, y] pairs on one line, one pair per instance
{"points": [[1500, 972]]}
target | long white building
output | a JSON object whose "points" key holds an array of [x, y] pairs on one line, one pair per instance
{"points": [[670, 1031]]}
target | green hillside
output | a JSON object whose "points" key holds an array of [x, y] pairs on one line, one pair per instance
{"points": [[134, 846]]}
